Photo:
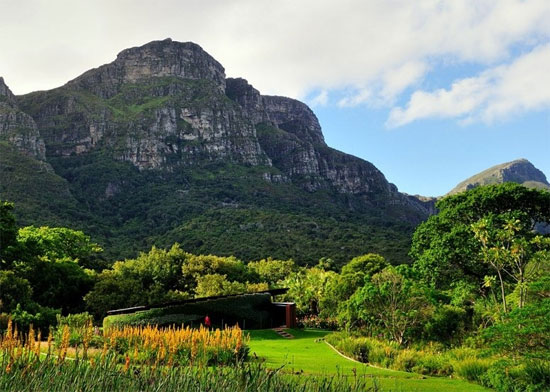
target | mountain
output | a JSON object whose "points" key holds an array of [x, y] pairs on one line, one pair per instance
{"points": [[17, 127], [159, 146], [520, 171]]}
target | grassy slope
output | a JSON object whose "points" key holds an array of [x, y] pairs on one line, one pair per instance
{"points": [[308, 354]]}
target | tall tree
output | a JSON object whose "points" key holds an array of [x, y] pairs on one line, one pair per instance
{"points": [[392, 301], [444, 248]]}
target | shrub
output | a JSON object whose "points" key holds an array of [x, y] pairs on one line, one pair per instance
{"points": [[41, 317], [472, 369], [81, 328], [406, 360], [318, 322], [447, 324], [433, 364], [504, 376], [537, 374]]}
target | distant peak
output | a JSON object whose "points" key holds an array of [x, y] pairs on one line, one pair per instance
{"points": [[520, 171]]}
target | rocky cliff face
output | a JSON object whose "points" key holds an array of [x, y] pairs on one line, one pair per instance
{"points": [[520, 171], [157, 106], [17, 127]]}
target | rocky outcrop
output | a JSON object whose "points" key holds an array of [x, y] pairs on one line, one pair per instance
{"points": [[156, 59], [284, 113], [17, 127], [520, 171]]}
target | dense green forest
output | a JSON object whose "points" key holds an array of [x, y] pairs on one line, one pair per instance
{"points": [[477, 293], [224, 209]]}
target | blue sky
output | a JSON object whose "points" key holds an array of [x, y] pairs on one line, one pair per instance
{"points": [[430, 91], [430, 157]]}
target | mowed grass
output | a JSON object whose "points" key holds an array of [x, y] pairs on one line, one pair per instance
{"points": [[307, 353]]}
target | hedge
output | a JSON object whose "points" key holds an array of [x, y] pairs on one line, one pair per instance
{"points": [[250, 311]]}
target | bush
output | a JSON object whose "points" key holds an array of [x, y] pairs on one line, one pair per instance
{"points": [[79, 325], [504, 376], [406, 360], [537, 374], [472, 369], [41, 317], [523, 331], [317, 322], [433, 364], [446, 325]]}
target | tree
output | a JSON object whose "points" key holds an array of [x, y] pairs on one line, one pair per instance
{"points": [[307, 288], [112, 291], [57, 243], [509, 248], [368, 264], [13, 291], [196, 266], [272, 271], [444, 248], [353, 276], [215, 284], [392, 301], [523, 331], [8, 232]]}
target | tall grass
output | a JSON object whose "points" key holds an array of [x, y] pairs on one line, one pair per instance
{"points": [[48, 375], [177, 346], [494, 371], [146, 359]]}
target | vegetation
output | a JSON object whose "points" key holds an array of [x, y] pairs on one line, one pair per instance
{"points": [[146, 359], [479, 366], [444, 249], [474, 304]]}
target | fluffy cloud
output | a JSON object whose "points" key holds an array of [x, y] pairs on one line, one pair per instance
{"points": [[320, 99], [496, 93]]}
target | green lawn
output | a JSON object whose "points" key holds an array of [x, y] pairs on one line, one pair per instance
{"points": [[308, 353]]}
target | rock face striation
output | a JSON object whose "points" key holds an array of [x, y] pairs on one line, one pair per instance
{"points": [[520, 171], [17, 127]]}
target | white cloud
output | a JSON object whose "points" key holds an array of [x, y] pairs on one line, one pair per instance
{"points": [[374, 50], [495, 94], [358, 97], [320, 99]]}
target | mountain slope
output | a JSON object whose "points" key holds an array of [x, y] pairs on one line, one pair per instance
{"points": [[158, 146], [520, 171]]}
